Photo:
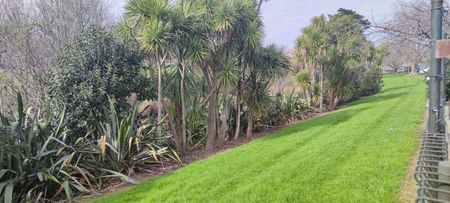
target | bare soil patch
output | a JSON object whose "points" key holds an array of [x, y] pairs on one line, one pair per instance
{"points": [[409, 186]]}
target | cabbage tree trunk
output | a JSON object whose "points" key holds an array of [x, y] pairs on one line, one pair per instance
{"points": [[250, 124], [238, 115], [211, 125], [183, 110], [224, 119], [161, 63], [321, 88]]}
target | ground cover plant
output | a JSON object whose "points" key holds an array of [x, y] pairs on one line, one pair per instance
{"points": [[356, 154], [38, 163]]}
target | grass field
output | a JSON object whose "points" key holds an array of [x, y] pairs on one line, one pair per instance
{"points": [[357, 154]]}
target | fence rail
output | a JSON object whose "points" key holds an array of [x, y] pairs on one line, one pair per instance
{"points": [[433, 149]]}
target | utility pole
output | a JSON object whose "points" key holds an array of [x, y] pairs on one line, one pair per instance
{"points": [[443, 89], [435, 79]]}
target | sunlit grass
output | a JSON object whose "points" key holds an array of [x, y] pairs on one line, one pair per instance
{"points": [[357, 154]]}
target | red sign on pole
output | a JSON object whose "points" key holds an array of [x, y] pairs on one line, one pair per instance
{"points": [[443, 48]]}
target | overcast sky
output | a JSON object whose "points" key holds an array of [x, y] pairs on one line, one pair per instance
{"points": [[284, 19]]}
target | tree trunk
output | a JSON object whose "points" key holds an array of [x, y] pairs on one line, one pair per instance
{"points": [[259, 5], [217, 119], [321, 88], [238, 114], [183, 110], [171, 124], [331, 101], [249, 124], [334, 100], [311, 88], [211, 127], [177, 126], [413, 69], [160, 64], [238, 101], [308, 97], [224, 119]]}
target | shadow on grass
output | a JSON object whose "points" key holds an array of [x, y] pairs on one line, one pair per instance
{"points": [[330, 120], [377, 98], [339, 116], [396, 88]]}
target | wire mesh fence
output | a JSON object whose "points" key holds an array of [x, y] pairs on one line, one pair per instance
{"points": [[433, 150]]}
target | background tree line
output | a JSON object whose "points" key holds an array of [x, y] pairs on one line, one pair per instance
{"points": [[406, 33], [337, 61]]}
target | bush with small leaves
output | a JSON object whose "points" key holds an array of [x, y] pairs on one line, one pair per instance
{"points": [[92, 68]]}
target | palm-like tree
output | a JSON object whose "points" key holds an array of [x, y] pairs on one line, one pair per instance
{"points": [[154, 34], [224, 23], [227, 76], [169, 29], [249, 41], [319, 24], [267, 64], [219, 37], [311, 49], [188, 47], [304, 82], [349, 50]]}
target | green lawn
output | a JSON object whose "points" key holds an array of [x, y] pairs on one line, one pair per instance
{"points": [[357, 154]]}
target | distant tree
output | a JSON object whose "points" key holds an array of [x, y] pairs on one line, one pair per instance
{"points": [[349, 50], [92, 68], [395, 58], [336, 50], [32, 37], [408, 31], [303, 79], [311, 50]]}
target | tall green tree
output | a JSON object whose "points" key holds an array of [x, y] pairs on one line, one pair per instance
{"points": [[268, 63], [311, 49], [224, 23], [188, 48], [303, 79], [337, 51], [249, 42], [154, 34], [349, 49]]}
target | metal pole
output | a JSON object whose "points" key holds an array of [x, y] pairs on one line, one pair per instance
{"points": [[443, 90], [436, 34]]}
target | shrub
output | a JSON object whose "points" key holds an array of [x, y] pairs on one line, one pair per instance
{"points": [[285, 108], [93, 66], [38, 163], [126, 143], [35, 162]]}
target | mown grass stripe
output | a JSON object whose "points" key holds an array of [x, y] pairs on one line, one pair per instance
{"points": [[357, 154]]}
